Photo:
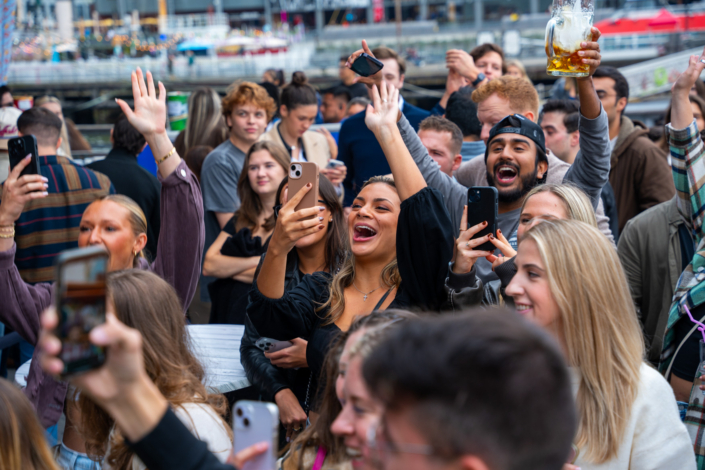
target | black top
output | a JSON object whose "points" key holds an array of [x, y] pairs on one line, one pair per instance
{"points": [[228, 296], [171, 445], [425, 238], [356, 90], [138, 184], [686, 362]]}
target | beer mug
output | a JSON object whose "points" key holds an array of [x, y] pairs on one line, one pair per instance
{"points": [[569, 25]]}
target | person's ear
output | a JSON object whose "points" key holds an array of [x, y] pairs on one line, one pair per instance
{"points": [[283, 111], [541, 169], [575, 139], [456, 162], [472, 462], [401, 81], [530, 115], [19, 133], [140, 243], [58, 143], [621, 104], [228, 121]]}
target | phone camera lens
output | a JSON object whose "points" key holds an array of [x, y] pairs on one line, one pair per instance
{"points": [[298, 173], [239, 412], [246, 422], [293, 167]]}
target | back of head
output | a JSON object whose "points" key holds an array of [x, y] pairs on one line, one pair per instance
{"points": [[384, 52], [273, 91], [125, 136], [520, 94], [439, 124], [22, 443], [598, 320], [298, 92], [247, 93], [575, 202], [462, 111], [195, 157], [621, 86], [340, 93], [484, 49], [203, 116], [487, 384], [358, 100], [570, 109], [42, 124]]}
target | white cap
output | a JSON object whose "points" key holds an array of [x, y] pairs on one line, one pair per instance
{"points": [[8, 122]]}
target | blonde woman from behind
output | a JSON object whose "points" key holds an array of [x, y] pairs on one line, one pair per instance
{"points": [[570, 282]]}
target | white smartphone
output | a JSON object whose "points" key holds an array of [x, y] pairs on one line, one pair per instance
{"points": [[255, 422], [334, 164]]}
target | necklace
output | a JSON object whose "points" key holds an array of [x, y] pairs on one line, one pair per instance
{"points": [[364, 295]]}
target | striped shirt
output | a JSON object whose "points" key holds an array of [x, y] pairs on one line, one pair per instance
{"points": [[49, 225]]}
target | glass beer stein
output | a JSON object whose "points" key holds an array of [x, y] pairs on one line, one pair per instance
{"points": [[569, 25]]}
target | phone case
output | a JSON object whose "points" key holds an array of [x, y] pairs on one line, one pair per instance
{"points": [[482, 207], [366, 65], [20, 147], [300, 174], [80, 294], [255, 422], [272, 345]]}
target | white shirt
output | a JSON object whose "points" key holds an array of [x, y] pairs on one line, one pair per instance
{"points": [[655, 438]]}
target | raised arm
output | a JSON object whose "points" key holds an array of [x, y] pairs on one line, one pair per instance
{"points": [[382, 121], [687, 149]]}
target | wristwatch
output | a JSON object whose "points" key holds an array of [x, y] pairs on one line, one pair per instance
{"points": [[479, 79]]}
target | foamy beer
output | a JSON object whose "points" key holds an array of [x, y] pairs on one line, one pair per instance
{"points": [[569, 25]]}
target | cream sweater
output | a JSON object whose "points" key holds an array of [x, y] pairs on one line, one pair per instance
{"points": [[655, 437]]}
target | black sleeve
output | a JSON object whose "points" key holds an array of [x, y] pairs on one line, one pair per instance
{"points": [[294, 314], [171, 445], [229, 227], [259, 370], [425, 237]]}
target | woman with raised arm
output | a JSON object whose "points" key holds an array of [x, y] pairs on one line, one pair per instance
{"points": [[118, 224], [400, 240]]}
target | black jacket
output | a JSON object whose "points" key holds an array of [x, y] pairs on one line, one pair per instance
{"points": [[138, 184]]}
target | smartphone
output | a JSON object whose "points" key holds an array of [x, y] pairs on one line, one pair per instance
{"points": [[255, 422], [272, 345], [482, 207], [366, 65], [80, 304], [334, 164], [300, 174], [20, 147]]}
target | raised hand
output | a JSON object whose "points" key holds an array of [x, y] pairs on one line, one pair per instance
{"points": [[590, 52], [291, 227], [687, 79], [465, 255], [375, 79], [18, 190], [502, 244], [149, 115], [385, 113], [462, 63]]}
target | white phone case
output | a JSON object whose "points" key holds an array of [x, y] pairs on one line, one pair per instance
{"points": [[255, 422]]}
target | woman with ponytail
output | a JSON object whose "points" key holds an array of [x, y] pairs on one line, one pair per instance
{"points": [[116, 223]]}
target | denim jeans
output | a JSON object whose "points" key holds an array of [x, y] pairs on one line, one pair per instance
{"points": [[72, 460]]}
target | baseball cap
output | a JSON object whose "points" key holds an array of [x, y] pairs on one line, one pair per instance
{"points": [[8, 125], [518, 124]]}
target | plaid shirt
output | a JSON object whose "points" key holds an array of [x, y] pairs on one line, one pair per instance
{"points": [[688, 165], [49, 225]]}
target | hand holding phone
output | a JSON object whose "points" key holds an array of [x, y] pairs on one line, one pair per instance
{"points": [[272, 345], [373, 78], [20, 147], [482, 207], [466, 251], [366, 65], [301, 174], [255, 422], [80, 304]]}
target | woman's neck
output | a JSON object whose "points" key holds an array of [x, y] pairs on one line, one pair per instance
{"points": [[313, 258], [368, 274], [268, 202], [290, 140]]}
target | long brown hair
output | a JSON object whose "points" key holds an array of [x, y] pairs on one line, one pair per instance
{"points": [[22, 442], [390, 276], [204, 119], [146, 302], [318, 434], [250, 203]]}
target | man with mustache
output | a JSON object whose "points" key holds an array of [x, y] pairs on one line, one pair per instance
{"points": [[522, 162]]}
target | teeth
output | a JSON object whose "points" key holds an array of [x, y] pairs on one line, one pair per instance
{"points": [[522, 307], [353, 452], [365, 227]]}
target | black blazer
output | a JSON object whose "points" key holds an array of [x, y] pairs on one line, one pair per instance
{"points": [[138, 184]]}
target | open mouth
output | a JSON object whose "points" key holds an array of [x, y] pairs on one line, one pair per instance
{"points": [[363, 233], [523, 309], [506, 174]]}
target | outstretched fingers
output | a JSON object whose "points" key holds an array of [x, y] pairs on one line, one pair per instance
{"points": [[150, 85]]}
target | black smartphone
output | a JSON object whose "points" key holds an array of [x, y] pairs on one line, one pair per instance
{"points": [[20, 147], [482, 207], [366, 65], [80, 304]]}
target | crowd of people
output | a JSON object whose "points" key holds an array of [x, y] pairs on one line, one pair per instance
{"points": [[561, 340]]}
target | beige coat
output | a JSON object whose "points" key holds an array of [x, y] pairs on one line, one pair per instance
{"points": [[315, 145]]}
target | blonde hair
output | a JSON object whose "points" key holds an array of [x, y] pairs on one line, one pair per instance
{"points": [[65, 147], [517, 63], [575, 201], [22, 443], [390, 276], [137, 219], [599, 322], [520, 93]]}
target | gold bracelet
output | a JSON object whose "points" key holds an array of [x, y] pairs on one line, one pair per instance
{"points": [[8, 235], [173, 149]]}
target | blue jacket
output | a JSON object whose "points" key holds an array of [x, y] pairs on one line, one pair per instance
{"points": [[360, 151]]}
